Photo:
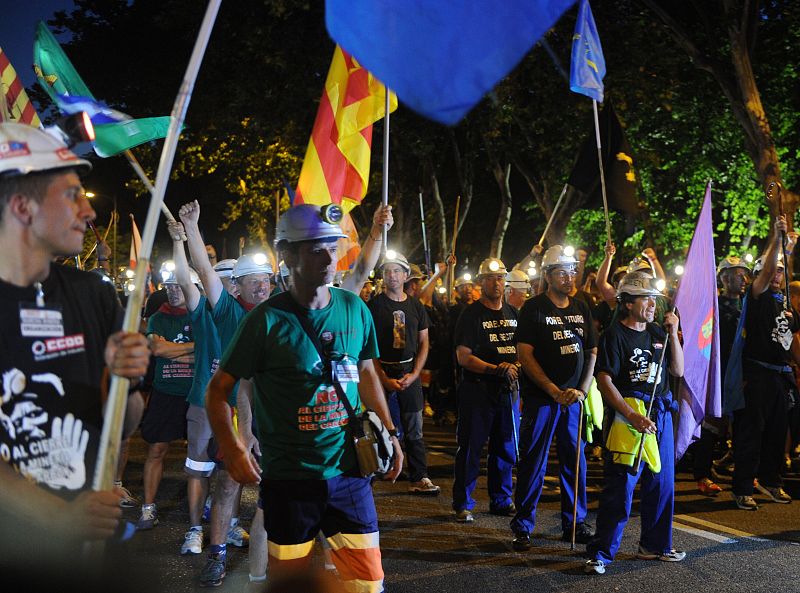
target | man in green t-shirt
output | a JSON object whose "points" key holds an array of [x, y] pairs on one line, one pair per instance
{"points": [[309, 475]]}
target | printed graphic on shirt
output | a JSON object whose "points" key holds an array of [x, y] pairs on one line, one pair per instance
{"points": [[643, 368], [57, 460], [399, 330], [178, 369], [564, 334], [781, 334], [500, 332], [326, 411]]}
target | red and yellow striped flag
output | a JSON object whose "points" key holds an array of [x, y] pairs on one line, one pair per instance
{"points": [[14, 102], [336, 165]]}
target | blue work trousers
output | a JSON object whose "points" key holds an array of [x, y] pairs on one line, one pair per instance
{"points": [[657, 494], [541, 420], [486, 411]]}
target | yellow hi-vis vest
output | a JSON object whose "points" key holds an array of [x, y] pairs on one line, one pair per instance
{"points": [[623, 440]]}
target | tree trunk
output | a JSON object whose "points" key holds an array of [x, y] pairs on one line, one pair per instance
{"points": [[501, 175], [465, 177]]}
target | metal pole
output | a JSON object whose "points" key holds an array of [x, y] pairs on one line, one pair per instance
{"points": [[385, 180], [114, 252], [602, 173], [424, 236]]}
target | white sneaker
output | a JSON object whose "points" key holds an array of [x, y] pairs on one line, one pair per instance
{"points": [[238, 536], [192, 542], [672, 555], [149, 517], [424, 486], [594, 567]]}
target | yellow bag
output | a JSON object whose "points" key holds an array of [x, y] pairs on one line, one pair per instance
{"points": [[623, 440]]}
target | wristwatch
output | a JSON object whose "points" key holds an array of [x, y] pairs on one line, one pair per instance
{"points": [[392, 432]]}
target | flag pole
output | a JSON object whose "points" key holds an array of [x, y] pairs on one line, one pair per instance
{"points": [[553, 214], [109, 446], [146, 180], [385, 173], [424, 236], [600, 164]]}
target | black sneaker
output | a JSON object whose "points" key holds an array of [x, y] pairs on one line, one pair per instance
{"points": [[213, 572], [521, 542], [583, 534], [505, 511]]}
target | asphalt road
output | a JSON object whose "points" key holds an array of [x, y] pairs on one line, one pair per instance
{"points": [[424, 549]]}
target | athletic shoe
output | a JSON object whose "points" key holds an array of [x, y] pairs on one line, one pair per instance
{"points": [[464, 516], [583, 534], [672, 556], [746, 503], [424, 486], [213, 572], [725, 463], [238, 537], [707, 487], [128, 500], [594, 567], [521, 542], [505, 511], [774, 493], [207, 509], [149, 517], [192, 542]]}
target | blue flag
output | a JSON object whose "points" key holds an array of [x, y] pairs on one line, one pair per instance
{"points": [[696, 300], [99, 112], [588, 66], [440, 57]]}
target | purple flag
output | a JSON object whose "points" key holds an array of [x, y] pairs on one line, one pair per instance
{"points": [[696, 299]]}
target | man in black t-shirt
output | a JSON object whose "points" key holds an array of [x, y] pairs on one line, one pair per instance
{"points": [[487, 396], [759, 428], [557, 345], [58, 342], [401, 326], [628, 375]]}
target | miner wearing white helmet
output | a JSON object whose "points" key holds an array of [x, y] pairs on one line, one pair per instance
{"points": [[224, 270], [59, 344], [309, 476], [251, 275], [401, 325], [557, 346], [518, 287], [487, 395], [628, 375], [760, 399]]}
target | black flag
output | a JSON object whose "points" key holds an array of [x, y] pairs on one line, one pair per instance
{"points": [[617, 166]]}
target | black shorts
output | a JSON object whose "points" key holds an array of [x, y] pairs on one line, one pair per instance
{"points": [[165, 418]]}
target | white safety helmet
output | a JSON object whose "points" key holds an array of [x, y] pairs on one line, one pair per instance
{"points": [[168, 276], [395, 257], [415, 273], [518, 279], [224, 268], [759, 264], [491, 265], [309, 222], [638, 283], [25, 149], [731, 263], [555, 257], [463, 279], [251, 263]]}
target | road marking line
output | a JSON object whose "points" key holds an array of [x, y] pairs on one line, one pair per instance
{"points": [[722, 528], [705, 534]]}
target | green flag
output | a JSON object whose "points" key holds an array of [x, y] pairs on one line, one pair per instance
{"points": [[58, 76]]}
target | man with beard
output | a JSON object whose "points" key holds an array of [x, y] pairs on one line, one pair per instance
{"points": [[401, 325], [309, 474], [557, 346], [628, 377], [487, 395]]}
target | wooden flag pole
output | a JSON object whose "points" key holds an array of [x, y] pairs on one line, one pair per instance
{"points": [[146, 180], [600, 164], [452, 270], [385, 173], [111, 436]]}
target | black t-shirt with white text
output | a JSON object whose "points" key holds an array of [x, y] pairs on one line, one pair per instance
{"points": [[489, 334], [631, 358], [559, 338], [769, 332], [397, 325], [52, 363]]}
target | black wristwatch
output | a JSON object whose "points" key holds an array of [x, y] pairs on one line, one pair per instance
{"points": [[392, 432]]}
